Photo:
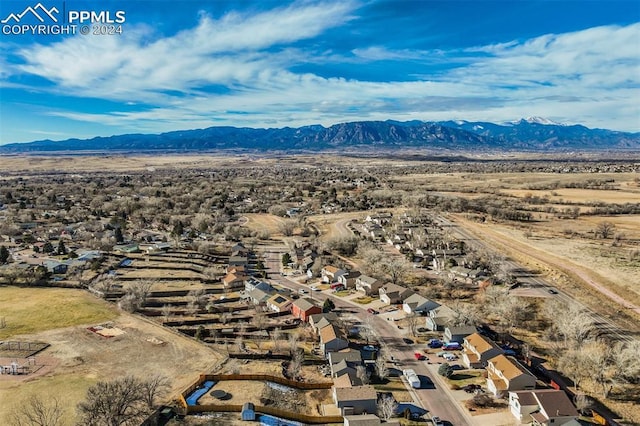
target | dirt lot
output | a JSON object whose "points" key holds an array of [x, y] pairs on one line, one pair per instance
{"points": [[78, 358]]}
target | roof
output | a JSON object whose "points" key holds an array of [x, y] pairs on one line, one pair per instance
{"points": [[392, 288], [327, 316], [278, 300], [356, 393], [556, 404], [330, 332], [509, 367], [331, 269], [304, 304], [350, 355], [342, 381], [367, 279], [481, 343], [442, 311], [526, 398], [465, 330], [232, 277]]}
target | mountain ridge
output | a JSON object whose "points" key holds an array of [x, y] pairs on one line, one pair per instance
{"points": [[534, 133]]}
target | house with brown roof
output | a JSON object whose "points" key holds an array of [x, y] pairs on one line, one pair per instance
{"points": [[505, 374], [331, 273], [304, 307], [355, 399], [279, 303], [392, 294], [234, 280], [542, 407], [477, 350], [332, 339]]}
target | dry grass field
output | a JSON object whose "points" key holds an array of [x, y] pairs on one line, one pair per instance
{"points": [[32, 310], [78, 358]]}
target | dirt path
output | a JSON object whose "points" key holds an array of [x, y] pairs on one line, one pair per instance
{"points": [[554, 262]]}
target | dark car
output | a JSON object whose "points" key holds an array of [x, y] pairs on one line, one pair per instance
{"points": [[407, 341], [435, 343], [372, 311]]}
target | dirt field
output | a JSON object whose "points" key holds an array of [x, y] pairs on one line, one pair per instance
{"points": [[260, 222], [78, 358]]}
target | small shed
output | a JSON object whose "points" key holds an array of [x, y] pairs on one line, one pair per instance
{"points": [[248, 412]]}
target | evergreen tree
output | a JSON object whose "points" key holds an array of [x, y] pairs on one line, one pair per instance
{"points": [[62, 250], [4, 254], [118, 235]]}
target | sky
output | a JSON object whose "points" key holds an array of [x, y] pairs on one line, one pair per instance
{"points": [[173, 65]]}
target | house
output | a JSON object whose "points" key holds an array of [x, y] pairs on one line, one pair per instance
{"points": [[379, 218], [392, 294], [238, 261], [234, 280], [542, 407], [258, 296], [248, 412], [439, 318], [457, 334], [418, 304], [319, 321], [505, 374], [348, 280], [55, 267], [239, 250], [252, 283], [331, 273], [348, 355], [344, 368], [368, 285], [332, 339], [477, 350], [343, 381], [279, 303], [304, 307], [356, 399]]}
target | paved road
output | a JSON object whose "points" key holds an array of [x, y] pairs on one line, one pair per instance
{"points": [[435, 400]]}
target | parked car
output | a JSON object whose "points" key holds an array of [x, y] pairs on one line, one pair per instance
{"points": [[370, 348], [436, 421], [314, 288], [471, 388], [302, 291], [452, 346], [434, 343], [372, 311], [419, 356], [449, 356]]}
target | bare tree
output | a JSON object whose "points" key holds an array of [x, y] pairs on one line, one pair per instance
{"points": [[396, 269], [287, 227], [123, 401], [276, 338], [573, 322], [153, 388], [38, 412], [573, 364], [293, 343], [239, 342], [295, 366], [135, 296], [166, 312], [582, 402], [363, 374], [387, 407], [413, 320], [604, 230], [382, 371]]}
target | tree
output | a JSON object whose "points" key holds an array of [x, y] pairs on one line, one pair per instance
{"points": [[276, 338], [295, 366], [118, 235], [135, 296], [396, 269], [604, 230], [412, 322], [445, 370], [382, 371], [293, 343], [286, 259], [582, 402], [287, 227], [328, 305], [61, 250], [123, 401], [363, 374], [4, 254], [38, 412], [153, 388], [387, 407]]}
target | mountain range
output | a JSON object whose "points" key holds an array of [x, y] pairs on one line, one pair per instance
{"points": [[532, 134]]}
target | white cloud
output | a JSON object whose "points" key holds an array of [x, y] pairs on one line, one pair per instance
{"points": [[590, 76]]}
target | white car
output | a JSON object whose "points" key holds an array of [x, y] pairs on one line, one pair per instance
{"points": [[314, 288], [302, 291]]}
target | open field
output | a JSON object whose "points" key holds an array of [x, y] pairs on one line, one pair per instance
{"points": [[262, 222], [79, 358], [32, 310]]}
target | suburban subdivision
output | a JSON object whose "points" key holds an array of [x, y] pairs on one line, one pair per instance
{"points": [[334, 289]]}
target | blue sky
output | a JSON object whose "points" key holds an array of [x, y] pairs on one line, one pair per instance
{"points": [[195, 64]]}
